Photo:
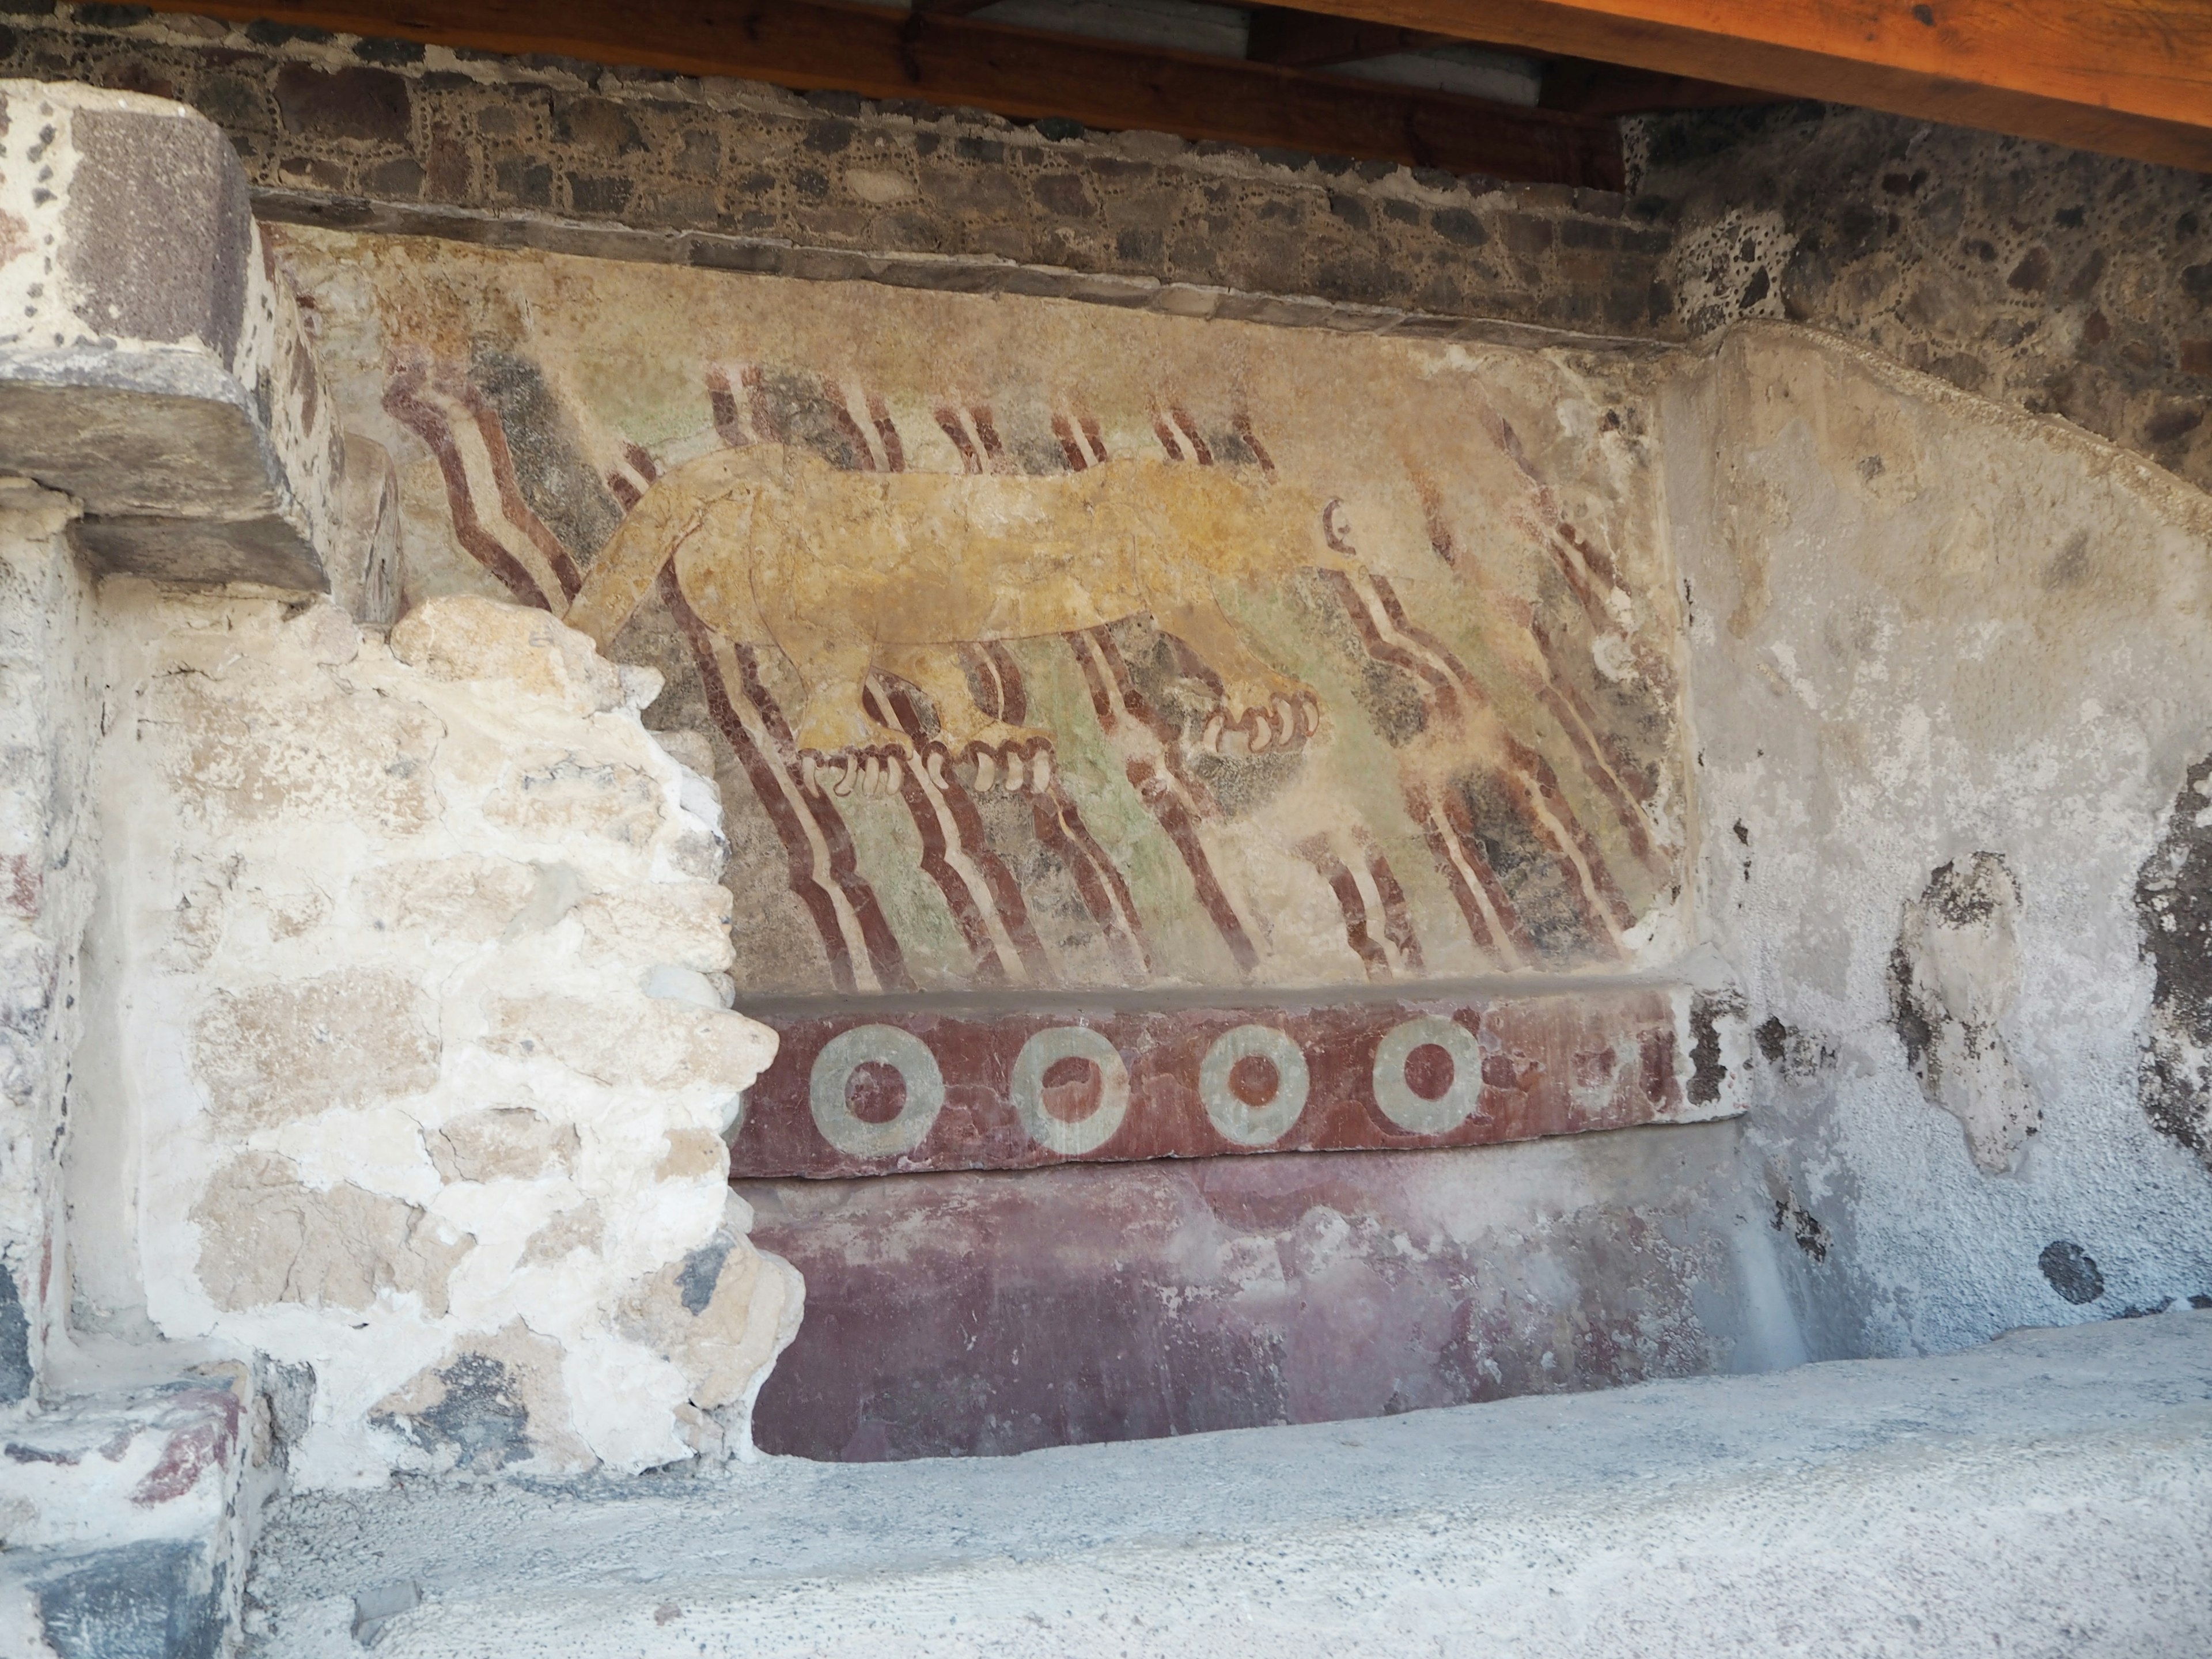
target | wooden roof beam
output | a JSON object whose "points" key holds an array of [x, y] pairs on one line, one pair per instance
{"points": [[1307, 40], [2130, 79]]}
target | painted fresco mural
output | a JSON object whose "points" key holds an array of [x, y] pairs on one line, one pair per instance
{"points": [[1072, 677]]}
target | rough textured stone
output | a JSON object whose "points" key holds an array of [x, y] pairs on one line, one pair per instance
{"points": [[542, 152], [2173, 899], [152, 367], [1954, 978], [267, 1237], [291, 1050], [127, 1516], [447, 1225], [2058, 281]]}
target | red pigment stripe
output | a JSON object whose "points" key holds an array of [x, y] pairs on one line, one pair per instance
{"points": [[1161, 797], [894, 451], [1091, 431], [511, 501], [967, 914], [429, 425], [1607, 895], [1526, 787], [1013, 700], [890, 962], [798, 851], [1436, 681], [1449, 868], [984, 674], [1470, 845], [1166, 436], [1432, 516], [1005, 891], [640, 461], [1608, 742], [724, 403], [766, 421], [1608, 891], [1593, 769], [1079, 833], [1101, 704], [623, 490], [1198, 449], [983, 955], [1242, 424], [988, 435], [1076, 460], [1315, 851], [969, 461], [1547, 786], [864, 456], [1397, 915], [1105, 895], [1508, 442]]}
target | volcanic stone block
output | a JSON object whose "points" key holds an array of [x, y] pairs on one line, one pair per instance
{"points": [[153, 365]]}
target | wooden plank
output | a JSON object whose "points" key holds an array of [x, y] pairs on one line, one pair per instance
{"points": [[1307, 40], [811, 44], [1589, 88], [2130, 79]]}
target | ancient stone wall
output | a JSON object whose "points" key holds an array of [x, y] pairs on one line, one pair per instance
{"points": [[1950, 673], [2057, 281], [387, 135], [415, 979]]}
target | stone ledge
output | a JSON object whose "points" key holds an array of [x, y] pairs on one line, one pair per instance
{"points": [[126, 1519], [2052, 1489], [152, 366]]}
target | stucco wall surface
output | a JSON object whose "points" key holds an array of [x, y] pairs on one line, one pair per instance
{"points": [[412, 989], [1951, 667], [48, 703]]}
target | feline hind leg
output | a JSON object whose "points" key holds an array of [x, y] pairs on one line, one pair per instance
{"points": [[1268, 704], [833, 730], [965, 734]]}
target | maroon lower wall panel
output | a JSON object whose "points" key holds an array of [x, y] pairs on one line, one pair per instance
{"points": [[988, 1312]]}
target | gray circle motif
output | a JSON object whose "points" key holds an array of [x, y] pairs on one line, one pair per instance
{"points": [[1254, 1126], [1408, 1110], [905, 1052], [1038, 1056]]}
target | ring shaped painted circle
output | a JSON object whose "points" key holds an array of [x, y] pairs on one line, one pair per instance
{"points": [[845, 1053], [1254, 1126], [1091, 1131], [1410, 1111]]}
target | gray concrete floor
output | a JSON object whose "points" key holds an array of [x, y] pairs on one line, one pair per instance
{"points": [[2048, 1493]]}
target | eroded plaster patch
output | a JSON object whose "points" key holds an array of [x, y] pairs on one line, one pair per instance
{"points": [[2173, 902], [1954, 976]]}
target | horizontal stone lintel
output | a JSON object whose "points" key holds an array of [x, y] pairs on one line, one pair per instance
{"points": [[155, 368], [167, 457]]}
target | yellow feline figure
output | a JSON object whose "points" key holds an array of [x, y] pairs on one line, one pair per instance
{"points": [[846, 572]]}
